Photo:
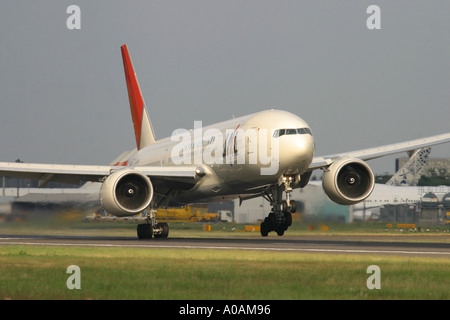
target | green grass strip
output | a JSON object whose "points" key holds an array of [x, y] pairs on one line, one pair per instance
{"points": [[39, 272]]}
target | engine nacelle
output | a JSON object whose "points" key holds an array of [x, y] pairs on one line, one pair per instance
{"points": [[126, 192], [348, 181]]}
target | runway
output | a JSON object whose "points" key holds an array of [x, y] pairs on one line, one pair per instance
{"points": [[358, 245]]}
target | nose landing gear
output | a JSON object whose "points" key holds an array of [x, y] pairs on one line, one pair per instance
{"points": [[280, 217]]}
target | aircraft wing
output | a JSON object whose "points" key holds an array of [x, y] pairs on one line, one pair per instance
{"points": [[77, 173], [378, 152]]}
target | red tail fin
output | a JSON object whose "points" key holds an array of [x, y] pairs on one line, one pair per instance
{"points": [[142, 126]]}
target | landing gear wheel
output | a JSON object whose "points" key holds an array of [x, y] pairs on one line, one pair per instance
{"points": [[271, 219], [280, 230], [288, 219], [293, 208], [265, 228], [280, 217], [144, 231], [164, 230], [283, 206], [140, 231]]}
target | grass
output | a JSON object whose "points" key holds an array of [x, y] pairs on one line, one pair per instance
{"points": [[39, 272]]}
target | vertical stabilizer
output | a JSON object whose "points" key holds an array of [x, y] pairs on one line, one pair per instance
{"points": [[410, 173], [142, 126]]}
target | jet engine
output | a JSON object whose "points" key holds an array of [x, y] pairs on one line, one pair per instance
{"points": [[348, 181], [126, 192]]}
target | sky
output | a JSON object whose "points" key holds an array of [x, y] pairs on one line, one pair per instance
{"points": [[63, 95]]}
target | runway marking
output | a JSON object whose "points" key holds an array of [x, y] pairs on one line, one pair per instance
{"points": [[158, 246]]}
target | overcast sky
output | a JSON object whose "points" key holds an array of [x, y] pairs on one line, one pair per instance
{"points": [[63, 94]]}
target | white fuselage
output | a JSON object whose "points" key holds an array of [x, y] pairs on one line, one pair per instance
{"points": [[239, 156]]}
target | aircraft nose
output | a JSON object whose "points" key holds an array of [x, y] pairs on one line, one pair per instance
{"points": [[305, 148], [297, 152]]}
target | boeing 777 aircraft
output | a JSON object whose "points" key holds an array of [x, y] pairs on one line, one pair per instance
{"points": [[262, 154]]}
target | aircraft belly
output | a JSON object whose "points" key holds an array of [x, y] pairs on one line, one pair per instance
{"points": [[226, 182]]}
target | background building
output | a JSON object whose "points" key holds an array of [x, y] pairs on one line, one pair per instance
{"points": [[434, 166]]}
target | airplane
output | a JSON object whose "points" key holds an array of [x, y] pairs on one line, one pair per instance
{"points": [[268, 154]]}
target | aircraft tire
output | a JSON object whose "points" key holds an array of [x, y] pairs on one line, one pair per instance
{"points": [[165, 230], [288, 219], [265, 228], [280, 231], [144, 231], [293, 208]]}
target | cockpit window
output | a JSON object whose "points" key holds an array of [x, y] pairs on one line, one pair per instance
{"points": [[304, 131], [282, 132], [291, 131]]}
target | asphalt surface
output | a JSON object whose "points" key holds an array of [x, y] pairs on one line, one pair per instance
{"points": [[358, 245]]}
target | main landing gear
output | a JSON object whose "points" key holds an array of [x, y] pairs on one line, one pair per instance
{"points": [[280, 217], [152, 228]]}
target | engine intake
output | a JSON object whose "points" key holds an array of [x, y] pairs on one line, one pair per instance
{"points": [[126, 192], [348, 181]]}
